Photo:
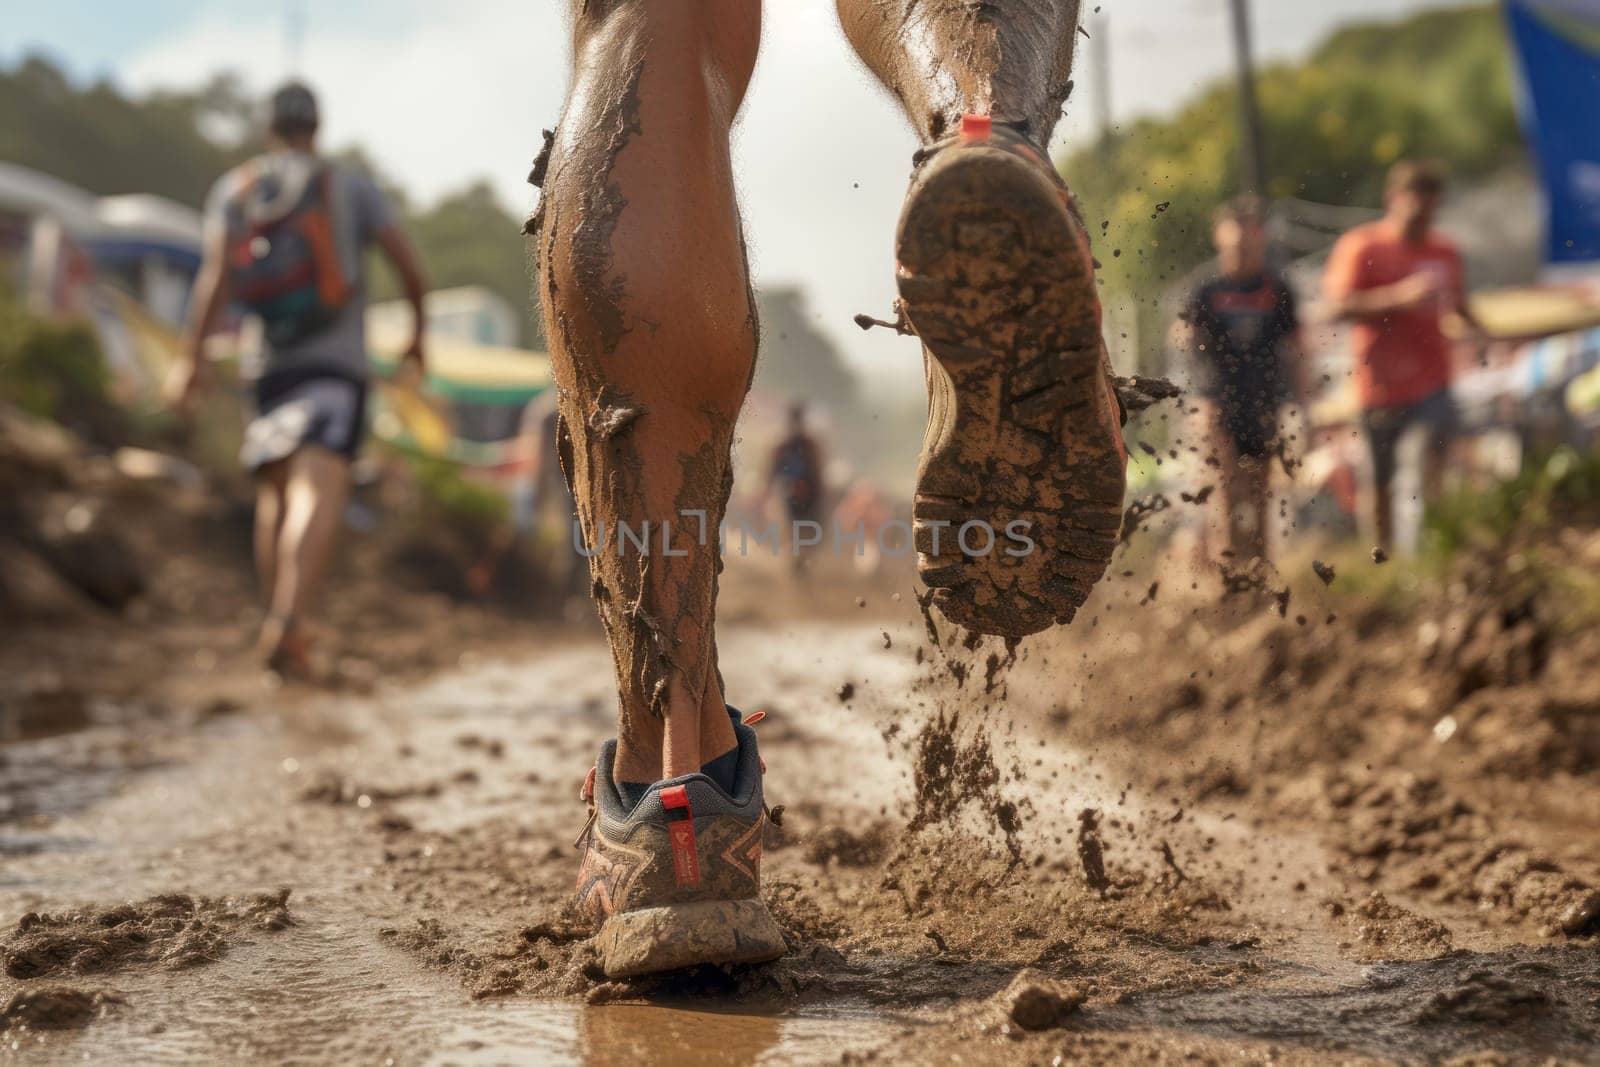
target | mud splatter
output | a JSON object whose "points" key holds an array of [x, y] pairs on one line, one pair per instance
{"points": [[1141, 511], [599, 287], [173, 932], [848, 848], [1091, 851], [950, 771], [1140, 394], [54, 1008], [613, 414], [541, 162], [1259, 577]]}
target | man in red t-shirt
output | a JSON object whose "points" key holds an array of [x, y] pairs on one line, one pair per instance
{"points": [[1396, 280]]}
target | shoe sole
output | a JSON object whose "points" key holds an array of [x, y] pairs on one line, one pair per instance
{"points": [[669, 938], [996, 280]]}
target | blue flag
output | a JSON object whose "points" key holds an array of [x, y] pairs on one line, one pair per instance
{"points": [[1559, 44]]}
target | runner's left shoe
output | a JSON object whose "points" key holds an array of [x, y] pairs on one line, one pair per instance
{"points": [[676, 882]]}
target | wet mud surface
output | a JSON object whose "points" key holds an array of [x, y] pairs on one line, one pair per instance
{"points": [[1192, 831]]}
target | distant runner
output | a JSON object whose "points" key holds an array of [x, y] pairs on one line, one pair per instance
{"points": [[796, 478], [536, 491], [1396, 280], [285, 237], [1244, 334]]}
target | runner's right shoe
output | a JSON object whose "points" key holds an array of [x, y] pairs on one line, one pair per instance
{"points": [[1024, 424], [676, 882]]}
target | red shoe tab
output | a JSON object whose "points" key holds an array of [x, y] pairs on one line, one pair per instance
{"points": [[587, 792], [754, 717], [976, 128], [685, 852]]}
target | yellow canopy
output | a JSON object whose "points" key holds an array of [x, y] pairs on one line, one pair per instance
{"points": [[1536, 311], [474, 374]]}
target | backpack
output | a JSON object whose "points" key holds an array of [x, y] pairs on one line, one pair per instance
{"points": [[284, 266]]}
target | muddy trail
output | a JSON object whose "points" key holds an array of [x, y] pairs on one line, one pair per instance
{"points": [[1189, 829]]}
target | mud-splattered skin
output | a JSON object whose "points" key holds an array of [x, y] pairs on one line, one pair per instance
{"points": [[1011, 59], [643, 280]]}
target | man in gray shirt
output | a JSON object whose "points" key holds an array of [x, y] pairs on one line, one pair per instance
{"points": [[285, 237]]}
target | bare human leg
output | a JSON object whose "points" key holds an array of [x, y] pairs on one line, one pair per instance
{"points": [[652, 331], [652, 334], [1378, 493], [1019, 490], [1009, 59], [271, 484], [1233, 491], [316, 486], [1381, 508]]}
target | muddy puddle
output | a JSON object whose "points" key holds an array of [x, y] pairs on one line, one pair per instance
{"points": [[316, 995], [419, 840]]}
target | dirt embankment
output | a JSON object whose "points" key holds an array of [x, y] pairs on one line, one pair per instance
{"points": [[1438, 752], [126, 580]]}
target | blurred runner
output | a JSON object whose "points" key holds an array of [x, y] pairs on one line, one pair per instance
{"points": [[537, 491], [864, 508], [645, 288], [1397, 279], [286, 234], [795, 478], [1244, 335]]}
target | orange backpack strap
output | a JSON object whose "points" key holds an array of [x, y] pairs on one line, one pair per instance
{"points": [[333, 288]]}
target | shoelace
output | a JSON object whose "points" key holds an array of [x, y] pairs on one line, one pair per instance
{"points": [[586, 794]]}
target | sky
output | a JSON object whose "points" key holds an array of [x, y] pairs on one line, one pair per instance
{"points": [[441, 92]]}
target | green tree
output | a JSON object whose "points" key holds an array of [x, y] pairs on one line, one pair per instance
{"points": [[176, 144], [105, 142]]}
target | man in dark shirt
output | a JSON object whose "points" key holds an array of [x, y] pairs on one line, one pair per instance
{"points": [[796, 477], [1242, 329]]}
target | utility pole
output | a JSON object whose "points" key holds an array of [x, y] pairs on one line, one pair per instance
{"points": [[1253, 164], [1100, 71]]}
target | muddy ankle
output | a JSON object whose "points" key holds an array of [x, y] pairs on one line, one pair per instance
{"points": [[274, 634]]}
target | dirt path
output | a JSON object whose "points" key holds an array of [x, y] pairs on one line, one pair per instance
{"points": [[423, 836]]}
